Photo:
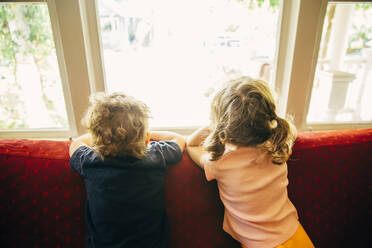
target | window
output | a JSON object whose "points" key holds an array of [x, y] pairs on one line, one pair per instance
{"points": [[174, 54], [31, 94], [343, 80], [309, 92], [44, 78]]}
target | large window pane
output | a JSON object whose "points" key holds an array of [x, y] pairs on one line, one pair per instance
{"points": [[31, 94], [343, 82], [173, 54]]}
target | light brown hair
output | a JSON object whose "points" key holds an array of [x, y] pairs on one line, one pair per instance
{"points": [[118, 125], [243, 113]]}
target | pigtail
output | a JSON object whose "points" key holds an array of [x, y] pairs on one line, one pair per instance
{"points": [[280, 143], [214, 145]]}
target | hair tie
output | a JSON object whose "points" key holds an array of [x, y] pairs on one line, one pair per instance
{"points": [[273, 124]]}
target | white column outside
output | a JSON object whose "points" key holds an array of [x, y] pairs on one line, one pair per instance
{"points": [[338, 42]]}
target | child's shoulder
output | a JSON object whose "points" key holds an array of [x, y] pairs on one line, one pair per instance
{"points": [[161, 145], [168, 150], [84, 151]]}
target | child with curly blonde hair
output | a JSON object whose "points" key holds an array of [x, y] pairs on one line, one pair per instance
{"points": [[124, 173], [245, 149]]}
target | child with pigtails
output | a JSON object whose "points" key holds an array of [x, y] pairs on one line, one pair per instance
{"points": [[245, 148]]}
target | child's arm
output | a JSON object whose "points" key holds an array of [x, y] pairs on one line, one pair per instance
{"points": [[194, 148], [198, 155], [84, 140], [197, 137], [168, 136]]}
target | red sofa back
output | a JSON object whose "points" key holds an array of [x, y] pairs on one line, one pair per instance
{"points": [[42, 199]]}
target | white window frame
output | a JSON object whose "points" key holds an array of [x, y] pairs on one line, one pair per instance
{"points": [[285, 40], [75, 29], [296, 60], [305, 58], [72, 60]]}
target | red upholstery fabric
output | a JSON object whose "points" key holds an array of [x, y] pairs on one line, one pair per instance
{"points": [[42, 199], [194, 208], [328, 183]]}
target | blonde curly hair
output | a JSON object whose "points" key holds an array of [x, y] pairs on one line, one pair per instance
{"points": [[118, 125], [244, 113]]}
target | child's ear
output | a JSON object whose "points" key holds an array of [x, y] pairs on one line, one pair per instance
{"points": [[148, 135], [222, 137]]}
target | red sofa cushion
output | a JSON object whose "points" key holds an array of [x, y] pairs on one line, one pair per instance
{"points": [[42, 199], [194, 208], [328, 183]]}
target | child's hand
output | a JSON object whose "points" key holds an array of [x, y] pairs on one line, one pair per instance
{"points": [[197, 138], [84, 140]]}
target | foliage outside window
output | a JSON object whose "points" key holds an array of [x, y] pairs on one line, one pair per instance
{"points": [[31, 95]]}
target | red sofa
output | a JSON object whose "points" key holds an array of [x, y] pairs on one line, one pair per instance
{"points": [[42, 199]]}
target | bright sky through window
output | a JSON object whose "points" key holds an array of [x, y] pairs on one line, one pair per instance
{"points": [[174, 54]]}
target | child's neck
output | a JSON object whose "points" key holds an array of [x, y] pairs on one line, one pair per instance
{"points": [[231, 147]]}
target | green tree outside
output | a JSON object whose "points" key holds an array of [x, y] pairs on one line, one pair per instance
{"points": [[25, 32]]}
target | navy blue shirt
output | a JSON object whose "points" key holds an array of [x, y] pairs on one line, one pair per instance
{"points": [[125, 205]]}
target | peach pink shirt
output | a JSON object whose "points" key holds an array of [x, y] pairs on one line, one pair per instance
{"points": [[258, 212]]}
